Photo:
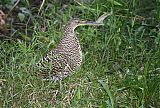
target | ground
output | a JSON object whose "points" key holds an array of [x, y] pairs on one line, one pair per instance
{"points": [[121, 60]]}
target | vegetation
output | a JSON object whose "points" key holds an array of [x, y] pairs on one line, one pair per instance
{"points": [[121, 64]]}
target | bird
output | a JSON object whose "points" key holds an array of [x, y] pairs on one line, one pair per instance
{"points": [[67, 57]]}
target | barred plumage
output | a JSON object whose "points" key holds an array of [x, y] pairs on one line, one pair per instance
{"points": [[67, 57]]}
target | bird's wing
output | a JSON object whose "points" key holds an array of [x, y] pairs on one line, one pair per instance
{"points": [[54, 65]]}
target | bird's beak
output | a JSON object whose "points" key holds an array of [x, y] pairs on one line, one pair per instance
{"points": [[90, 23]]}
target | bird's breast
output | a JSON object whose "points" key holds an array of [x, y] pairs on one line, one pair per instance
{"points": [[71, 49]]}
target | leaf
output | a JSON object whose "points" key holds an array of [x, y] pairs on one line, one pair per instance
{"points": [[78, 94], [25, 37], [106, 88], [115, 2], [21, 16], [103, 105], [24, 10]]}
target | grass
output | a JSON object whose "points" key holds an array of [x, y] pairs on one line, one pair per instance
{"points": [[120, 64]]}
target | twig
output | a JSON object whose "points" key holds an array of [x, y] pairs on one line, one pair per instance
{"points": [[14, 6], [6, 37], [41, 6]]}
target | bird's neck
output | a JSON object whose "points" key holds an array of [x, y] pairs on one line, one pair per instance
{"points": [[68, 41], [69, 31], [69, 28]]}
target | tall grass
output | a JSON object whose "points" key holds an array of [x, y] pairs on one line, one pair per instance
{"points": [[120, 59]]}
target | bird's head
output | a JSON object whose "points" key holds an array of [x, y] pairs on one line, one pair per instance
{"points": [[78, 22]]}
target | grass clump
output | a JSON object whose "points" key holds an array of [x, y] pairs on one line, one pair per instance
{"points": [[120, 65]]}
